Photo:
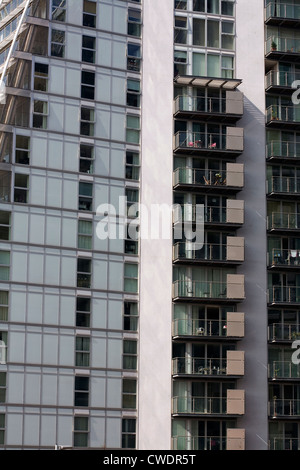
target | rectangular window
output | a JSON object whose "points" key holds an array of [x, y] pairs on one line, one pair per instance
{"points": [[199, 5], [81, 397], [129, 354], [134, 57], [87, 121], [132, 166], [88, 49], [180, 30], [128, 433], [22, 149], [2, 387], [180, 63], [133, 129], [41, 75], [131, 244], [4, 265], [57, 43], [3, 305], [89, 14], [83, 312], [213, 33], [40, 114], [130, 322], [81, 431], [21, 188], [198, 32], [134, 22], [82, 351], [86, 160], [133, 93], [227, 7], [85, 234], [5, 225], [87, 85], [227, 67], [59, 10], [3, 347], [85, 197], [132, 199], [131, 277], [227, 35], [180, 4], [84, 273], [129, 394], [2, 429]]}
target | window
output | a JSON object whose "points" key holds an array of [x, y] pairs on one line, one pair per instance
{"points": [[133, 129], [131, 278], [129, 394], [57, 43], [81, 431], [128, 433], [228, 35], [134, 57], [227, 7], [130, 320], [133, 93], [87, 85], [4, 265], [129, 354], [3, 305], [131, 244], [85, 198], [3, 346], [134, 22], [5, 225], [84, 273], [227, 67], [89, 14], [2, 428], [180, 4], [21, 188], [180, 31], [180, 63], [40, 114], [198, 32], [132, 199], [59, 10], [132, 166], [82, 351], [81, 397], [22, 149], [83, 312], [213, 33], [88, 49], [40, 82], [87, 121], [85, 234], [2, 387], [86, 159]]}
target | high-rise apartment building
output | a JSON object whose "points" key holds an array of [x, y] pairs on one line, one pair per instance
{"points": [[112, 113]]}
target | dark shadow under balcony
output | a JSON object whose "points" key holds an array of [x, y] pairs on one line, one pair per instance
{"points": [[277, 48], [284, 117], [283, 151], [196, 143], [282, 14]]}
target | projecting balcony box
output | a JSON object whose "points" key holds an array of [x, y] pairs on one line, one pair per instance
{"points": [[280, 370], [283, 150], [233, 404], [284, 258], [232, 215], [283, 117], [229, 144], [192, 179], [281, 82], [283, 222], [278, 48], [203, 367], [283, 333], [284, 408], [284, 295], [282, 13], [234, 440], [289, 186]]}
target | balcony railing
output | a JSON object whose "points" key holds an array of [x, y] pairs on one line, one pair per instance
{"points": [[285, 408], [283, 370], [281, 79], [184, 327], [283, 149], [276, 9], [282, 443], [284, 184], [212, 214], [196, 176], [212, 142], [281, 113], [207, 252], [199, 405], [199, 443], [283, 332], [199, 289], [199, 366], [200, 104], [286, 46], [284, 257], [283, 221], [284, 294]]}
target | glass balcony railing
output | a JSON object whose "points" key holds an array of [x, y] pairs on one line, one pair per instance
{"points": [[284, 184], [212, 214], [233, 141], [199, 443], [276, 9], [207, 252], [200, 104], [285, 408], [283, 332], [283, 221], [284, 443], [199, 405], [281, 79], [283, 370], [199, 366], [284, 257], [281, 113], [284, 294], [283, 149], [287, 46], [184, 327], [197, 176], [199, 289]]}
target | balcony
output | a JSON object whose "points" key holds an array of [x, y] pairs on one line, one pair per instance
{"points": [[277, 48], [280, 408], [278, 332], [284, 295], [189, 291], [284, 443], [283, 150], [289, 186], [235, 440], [233, 404], [285, 117], [231, 253], [232, 328], [283, 370], [229, 109], [230, 144], [281, 82], [282, 14], [231, 366], [284, 259], [230, 216], [231, 179], [283, 221], [5, 186]]}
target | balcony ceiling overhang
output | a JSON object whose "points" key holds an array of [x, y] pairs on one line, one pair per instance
{"points": [[226, 83]]}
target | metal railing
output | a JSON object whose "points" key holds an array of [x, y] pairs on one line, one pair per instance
{"points": [[207, 252], [284, 294], [283, 332], [283, 220], [283, 113], [199, 443], [284, 184], [186, 327], [200, 104], [284, 257], [200, 289], [284, 443], [277, 78], [186, 175], [199, 366], [282, 10], [198, 140], [283, 149], [283, 45], [212, 214], [282, 407], [284, 370], [199, 405]]}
